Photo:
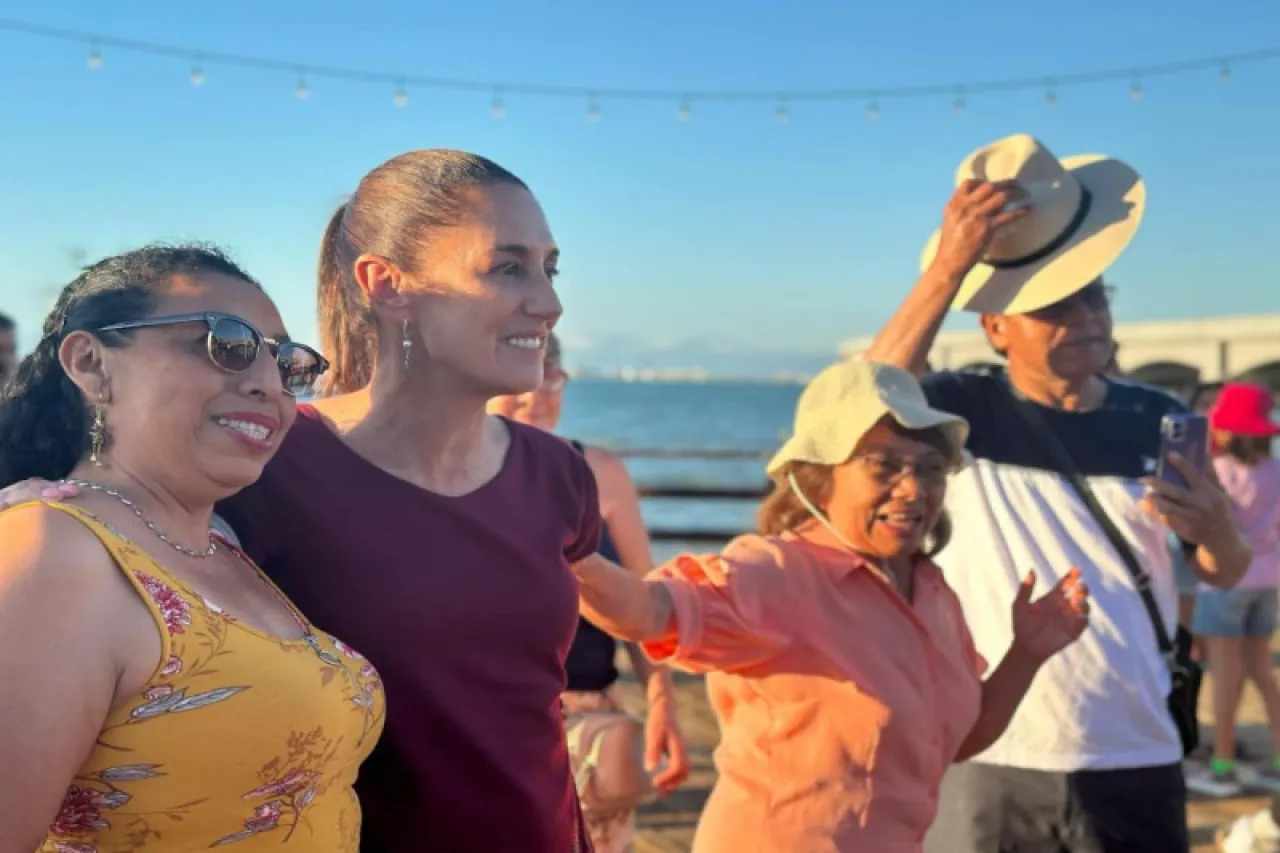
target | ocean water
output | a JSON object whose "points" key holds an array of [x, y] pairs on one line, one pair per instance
{"points": [[671, 416]]}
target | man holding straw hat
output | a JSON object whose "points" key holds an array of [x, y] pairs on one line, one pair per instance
{"points": [[1059, 479]]}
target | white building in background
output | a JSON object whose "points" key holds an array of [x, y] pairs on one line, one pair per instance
{"points": [[1173, 354]]}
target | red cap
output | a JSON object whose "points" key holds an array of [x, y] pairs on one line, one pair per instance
{"points": [[1244, 409]]}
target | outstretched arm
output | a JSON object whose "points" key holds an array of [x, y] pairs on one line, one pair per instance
{"points": [[622, 604]]}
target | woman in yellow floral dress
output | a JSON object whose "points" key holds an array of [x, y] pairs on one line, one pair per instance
{"points": [[160, 694]]}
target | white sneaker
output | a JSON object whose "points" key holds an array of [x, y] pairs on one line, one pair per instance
{"points": [[1204, 781], [1267, 779], [1255, 833]]}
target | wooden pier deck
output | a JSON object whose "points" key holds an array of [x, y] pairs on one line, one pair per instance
{"points": [[667, 826]]}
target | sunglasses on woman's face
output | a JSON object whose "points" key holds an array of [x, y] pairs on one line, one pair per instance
{"points": [[233, 345]]}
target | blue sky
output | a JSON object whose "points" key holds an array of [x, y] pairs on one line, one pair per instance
{"points": [[727, 227]]}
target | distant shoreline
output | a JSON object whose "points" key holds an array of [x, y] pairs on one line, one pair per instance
{"points": [[663, 376]]}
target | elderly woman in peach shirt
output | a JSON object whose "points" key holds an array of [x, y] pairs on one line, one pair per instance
{"points": [[838, 661]]}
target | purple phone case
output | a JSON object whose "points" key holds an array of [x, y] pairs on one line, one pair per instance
{"points": [[1187, 435]]}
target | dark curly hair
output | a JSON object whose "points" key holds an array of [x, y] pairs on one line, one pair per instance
{"points": [[44, 418]]}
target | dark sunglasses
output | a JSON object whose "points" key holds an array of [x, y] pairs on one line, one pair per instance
{"points": [[1095, 297], [233, 345]]}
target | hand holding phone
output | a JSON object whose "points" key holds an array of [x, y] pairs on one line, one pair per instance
{"points": [[1187, 435]]}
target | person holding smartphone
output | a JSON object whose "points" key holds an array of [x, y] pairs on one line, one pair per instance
{"points": [[1092, 758]]}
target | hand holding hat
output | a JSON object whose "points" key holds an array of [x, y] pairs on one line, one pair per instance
{"points": [[976, 211], [1082, 211]]}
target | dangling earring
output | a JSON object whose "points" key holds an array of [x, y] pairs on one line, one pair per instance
{"points": [[98, 434], [406, 342]]}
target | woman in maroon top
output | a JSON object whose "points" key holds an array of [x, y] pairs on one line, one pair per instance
{"points": [[437, 537], [431, 536]]}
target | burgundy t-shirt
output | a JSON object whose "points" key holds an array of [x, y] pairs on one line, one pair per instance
{"points": [[465, 605]]}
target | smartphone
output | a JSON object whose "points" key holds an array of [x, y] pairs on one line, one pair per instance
{"points": [[1187, 435]]}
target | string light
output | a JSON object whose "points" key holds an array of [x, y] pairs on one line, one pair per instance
{"points": [[593, 112], [497, 109], [400, 98], [197, 75], [302, 90], [684, 112], [1224, 65], [957, 106], [873, 111], [780, 114], [1051, 98]]}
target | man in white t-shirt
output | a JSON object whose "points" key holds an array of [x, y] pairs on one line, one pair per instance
{"points": [[1091, 759]]}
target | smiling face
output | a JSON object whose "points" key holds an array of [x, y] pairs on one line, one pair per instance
{"points": [[542, 406], [887, 497], [482, 297], [172, 415], [1071, 339]]}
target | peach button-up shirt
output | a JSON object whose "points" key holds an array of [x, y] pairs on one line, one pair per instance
{"points": [[840, 703]]}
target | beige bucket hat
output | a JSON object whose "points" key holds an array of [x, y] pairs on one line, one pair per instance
{"points": [[1085, 210], [847, 399]]}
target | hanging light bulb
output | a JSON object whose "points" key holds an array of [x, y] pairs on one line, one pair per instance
{"points": [[593, 113], [400, 98], [683, 112], [1135, 90], [497, 109], [1051, 98], [197, 75], [873, 111], [957, 106], [95, 59], [1224, 73], [302, 90], [780, 114]]}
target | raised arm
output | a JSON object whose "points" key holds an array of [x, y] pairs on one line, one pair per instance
{"points": [[1041, 629], [64, 608], [971, 218], [620, 505], [621, 603]]}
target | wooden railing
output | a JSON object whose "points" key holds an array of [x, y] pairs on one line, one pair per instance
{"points": [[695, 493]]}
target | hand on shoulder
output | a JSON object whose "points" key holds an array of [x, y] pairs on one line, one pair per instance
{"points": [[34, 490]]}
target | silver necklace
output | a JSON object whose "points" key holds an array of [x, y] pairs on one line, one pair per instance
{"points": [[136, 510], [308, 636]]}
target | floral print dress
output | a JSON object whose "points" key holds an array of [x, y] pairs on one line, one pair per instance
{"points": [[239, 739]]}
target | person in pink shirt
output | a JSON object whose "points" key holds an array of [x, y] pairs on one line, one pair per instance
{"points": [[838, 661], [1237, 623]]}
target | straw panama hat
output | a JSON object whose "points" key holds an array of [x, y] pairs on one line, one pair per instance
{"points": [[843, 402], [1085, 210]]}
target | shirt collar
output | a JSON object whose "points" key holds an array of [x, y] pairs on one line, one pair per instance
{"points": [[837, 557]]}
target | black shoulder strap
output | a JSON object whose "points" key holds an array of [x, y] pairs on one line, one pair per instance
{"points": [[1035, 421]]}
